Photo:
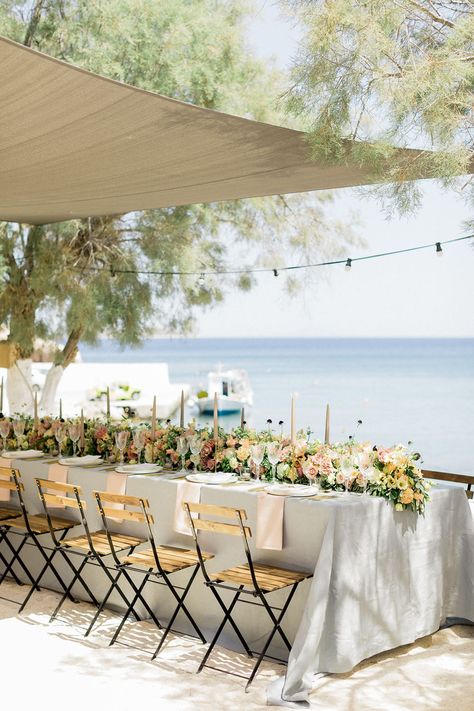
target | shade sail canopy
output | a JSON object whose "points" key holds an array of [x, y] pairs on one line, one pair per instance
{"points": [[74, 144]]}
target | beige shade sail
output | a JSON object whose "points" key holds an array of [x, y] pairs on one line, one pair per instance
{"points": [[74, 144]]}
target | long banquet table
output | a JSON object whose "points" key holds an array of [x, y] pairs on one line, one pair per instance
{"points": [[381, 578]]}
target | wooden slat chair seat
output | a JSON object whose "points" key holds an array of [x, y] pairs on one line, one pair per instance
{"points": [[18, 523], [268, 578], [86, 546], [171, 559], [101, 543], [155, 564], [255, 579]]}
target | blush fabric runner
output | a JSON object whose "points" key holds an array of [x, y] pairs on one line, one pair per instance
{"points": [[6, 464], [270, 513], [186, 491]]}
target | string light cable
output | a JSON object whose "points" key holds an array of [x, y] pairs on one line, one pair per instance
{"points": [[347, 261]]}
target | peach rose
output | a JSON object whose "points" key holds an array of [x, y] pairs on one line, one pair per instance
{"points": [[407, 496]]}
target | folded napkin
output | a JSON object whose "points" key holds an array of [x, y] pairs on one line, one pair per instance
{"points": [[116, 484], [57, 472], [5, 464], [185, 491], [270, 511]]}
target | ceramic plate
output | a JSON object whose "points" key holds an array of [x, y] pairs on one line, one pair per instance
{"points": [[138, 469], [220, 478], [23, 454], [87, 461], [292, 490]]}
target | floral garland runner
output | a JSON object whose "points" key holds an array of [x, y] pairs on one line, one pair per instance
{"points": [[392, 473]]}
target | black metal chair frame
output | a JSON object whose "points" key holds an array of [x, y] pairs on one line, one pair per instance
{"points": [[87, 557], [237, 528], [155, 575], [5, 530]]}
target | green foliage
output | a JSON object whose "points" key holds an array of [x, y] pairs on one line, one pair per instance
{"points": [[392, 72], [65, 279]]}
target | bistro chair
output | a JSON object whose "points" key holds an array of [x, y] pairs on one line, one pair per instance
{"points": [[156, 563], [91, 546], [30, 528], [253, 579], [466, 480]]}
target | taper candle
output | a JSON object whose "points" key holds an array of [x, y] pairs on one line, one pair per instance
{"points": [[216, 421], [1, 396], [181, 414], [292, 420], [242, 418], [36, 410], [82, 438], [326, 428], [153, 419], [60, 409], [108, 402]]}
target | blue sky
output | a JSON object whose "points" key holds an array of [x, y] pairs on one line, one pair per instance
{"points": [[406, 295]]}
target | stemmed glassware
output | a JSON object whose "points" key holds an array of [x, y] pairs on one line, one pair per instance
{"points": [[121, 439], [18, 429], [182, 447], [273, 454], [347, 469], [60, 434], [5, 426], [257, 455], [195, 446], [139, 437], [74, 431]]}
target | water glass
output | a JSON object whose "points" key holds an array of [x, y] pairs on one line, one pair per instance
{"points": [[257, 455], [5, 426], [195, 445], [18, 429], [182, 447], [347, 469], [74, 431], [121, 439], [139, 438], [60, 434], [273, 454]]}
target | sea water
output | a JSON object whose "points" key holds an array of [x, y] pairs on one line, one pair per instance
{"points": [[418, 390]]}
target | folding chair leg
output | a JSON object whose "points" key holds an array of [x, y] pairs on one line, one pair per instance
{"points": [[104, 602], [7, 568], [77, 576], [142, 600], [130, 607], [276, 628], [16, 557], [179, 607], [232, 623], [227, 617]]}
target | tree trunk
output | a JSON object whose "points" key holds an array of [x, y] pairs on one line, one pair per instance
{"points": [[19, 387], [50, 389]]}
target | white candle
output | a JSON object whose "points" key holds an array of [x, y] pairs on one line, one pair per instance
{"points": [[153, 419], [36, 410], [181, 416], [60, 409], [242, 418], [216, 421], [82, 435], [292, 420], [326, 428], [108, 402], [1, 397]]}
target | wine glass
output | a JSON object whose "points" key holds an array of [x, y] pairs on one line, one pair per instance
{"points": [[121, 439], [18, 429], [273, 454], [60, 434], [364, 467], [5, 426], [257, 454], [139, 437], [195, 446], [347, 469], [182, 447], [74, 431]]}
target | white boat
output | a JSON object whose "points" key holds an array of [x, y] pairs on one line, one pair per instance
{"points": [[233, 391]]}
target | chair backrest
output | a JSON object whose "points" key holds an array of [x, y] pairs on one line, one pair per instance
{"points": [[132, 509], [465, 479], [58, 494], [202, 517], [10, 480]]}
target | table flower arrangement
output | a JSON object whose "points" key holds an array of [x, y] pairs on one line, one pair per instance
{"points": [[392, 473]]}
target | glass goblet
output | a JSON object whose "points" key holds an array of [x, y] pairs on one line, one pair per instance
{"points": [[60, 434], [18, 429], [5, 426], [257, 455], [195, 445], [74, 431], [182, 447], [139, 437], [347, 469], [121, 439], [273, 454]]}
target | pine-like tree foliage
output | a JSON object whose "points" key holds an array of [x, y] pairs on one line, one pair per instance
{"points": [[392, 72], [64, 281]]}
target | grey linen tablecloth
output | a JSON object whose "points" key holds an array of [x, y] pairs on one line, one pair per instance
{"points": [[383, 578]]}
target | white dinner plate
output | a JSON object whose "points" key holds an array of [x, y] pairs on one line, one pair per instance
{"points": [[292, 490], [86, 461], [219, 478], [23, 454], [138, 469]]}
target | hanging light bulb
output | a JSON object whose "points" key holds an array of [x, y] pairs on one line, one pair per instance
{"points": [[439, 249], [348, 265]]}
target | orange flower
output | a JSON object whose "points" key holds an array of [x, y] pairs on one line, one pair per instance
{"points": [[407, 496]]}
